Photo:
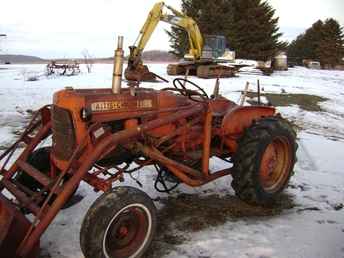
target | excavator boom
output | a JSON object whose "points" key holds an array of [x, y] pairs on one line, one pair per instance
{"points": [[177, 19], [196, 56], [161, 12]]}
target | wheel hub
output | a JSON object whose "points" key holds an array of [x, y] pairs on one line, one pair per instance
{"points": [[275, 164], [122, 232], [126, 233]]}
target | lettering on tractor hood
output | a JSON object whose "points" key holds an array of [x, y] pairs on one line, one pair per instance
{"points": [[120, 104]]}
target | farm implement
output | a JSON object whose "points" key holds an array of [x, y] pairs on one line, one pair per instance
{"points": [[63, 69]]}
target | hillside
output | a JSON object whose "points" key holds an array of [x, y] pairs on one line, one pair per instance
{"points": [[148, 56], [20, 59], [152, 56], [158, 56]]}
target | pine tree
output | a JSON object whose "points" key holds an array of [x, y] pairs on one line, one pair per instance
{"points": [[312, 39], [249, 26], [330, 49], [254, 30], [305, 45], [178, 41], [211, 17], [296, 49], [323, 42]]}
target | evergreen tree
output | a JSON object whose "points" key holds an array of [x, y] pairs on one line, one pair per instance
{"points": [[330, 49], [249, 26], [296, 49], [254, 30], [324, 42], [305, 45], [210, 16], [178, 41]]}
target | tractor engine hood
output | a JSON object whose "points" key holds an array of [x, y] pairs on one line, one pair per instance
{"points": [[75, 110], [102, 106]]}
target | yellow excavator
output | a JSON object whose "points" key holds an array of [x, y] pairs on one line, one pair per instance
{"points": [[203, 59]]}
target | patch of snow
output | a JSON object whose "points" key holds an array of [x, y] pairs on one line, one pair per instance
{"points": [[313, 228]]}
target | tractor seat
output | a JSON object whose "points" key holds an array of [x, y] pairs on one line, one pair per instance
{"points": [[220, 106]]}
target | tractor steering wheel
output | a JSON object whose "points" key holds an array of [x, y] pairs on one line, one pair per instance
{"points": [[180, 85]]}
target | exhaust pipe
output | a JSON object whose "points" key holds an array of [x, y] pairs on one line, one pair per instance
{"points": [[118, 67]]}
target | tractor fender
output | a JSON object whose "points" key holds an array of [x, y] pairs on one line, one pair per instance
{"points": [[239, 118]]}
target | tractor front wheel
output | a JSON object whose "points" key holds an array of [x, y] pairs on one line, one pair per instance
{"points": [[120, 224], [264, 161]]}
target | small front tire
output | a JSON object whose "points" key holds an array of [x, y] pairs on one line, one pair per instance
{"points": [[119, 224]]}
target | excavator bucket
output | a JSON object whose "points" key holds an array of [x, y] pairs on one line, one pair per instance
{"points": [[13, 228], [139, 73]]}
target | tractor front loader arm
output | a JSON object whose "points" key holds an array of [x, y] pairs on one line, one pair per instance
{"points": [[86, 161]]}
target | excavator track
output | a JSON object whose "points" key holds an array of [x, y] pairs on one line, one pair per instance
{"points": [[175, 69], [215, 71], [202, 71]]}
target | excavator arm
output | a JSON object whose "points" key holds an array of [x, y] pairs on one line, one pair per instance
{"points": [[177, 19]]}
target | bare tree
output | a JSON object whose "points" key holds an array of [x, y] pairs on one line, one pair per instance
{"points": [[88, 60]]}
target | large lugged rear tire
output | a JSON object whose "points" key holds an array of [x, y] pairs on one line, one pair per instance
{"points": [[264, 161], [119, 224]]}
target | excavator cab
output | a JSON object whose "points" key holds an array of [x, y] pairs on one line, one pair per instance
{"points": [[216, 43], [216, 48]]}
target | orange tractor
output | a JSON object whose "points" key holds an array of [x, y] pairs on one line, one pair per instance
{"points": [[101, 135]]}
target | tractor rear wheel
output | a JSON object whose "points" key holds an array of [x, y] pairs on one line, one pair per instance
{"points": [[264, 161], [121, 223]]}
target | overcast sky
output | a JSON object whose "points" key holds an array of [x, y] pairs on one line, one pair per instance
{"points": [[64, 28]]}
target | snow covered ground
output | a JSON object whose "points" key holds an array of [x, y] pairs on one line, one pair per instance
{"points": [[310, 221]]}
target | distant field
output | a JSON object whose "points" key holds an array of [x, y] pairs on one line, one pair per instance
{"points": [[148, 56]]}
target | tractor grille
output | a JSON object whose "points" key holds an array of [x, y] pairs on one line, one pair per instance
{"points": [[63, 133]]}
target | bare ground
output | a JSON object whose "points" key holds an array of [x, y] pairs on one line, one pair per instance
{"points": [[187, 213]]}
